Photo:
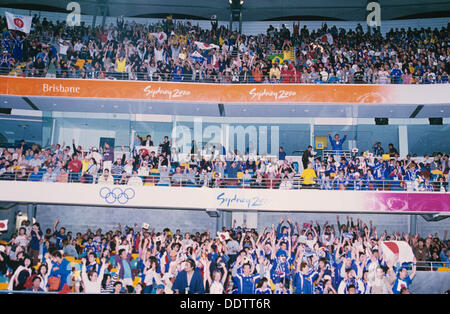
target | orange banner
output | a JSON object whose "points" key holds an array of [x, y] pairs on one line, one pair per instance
{"points": [[226, 93]]}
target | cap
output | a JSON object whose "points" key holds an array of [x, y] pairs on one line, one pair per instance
{"points": [[281, 252]]}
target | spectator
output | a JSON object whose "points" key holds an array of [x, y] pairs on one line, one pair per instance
{"points": [[60, 270], [336, 143], [308, 176], [189, 280], [403, 280]]}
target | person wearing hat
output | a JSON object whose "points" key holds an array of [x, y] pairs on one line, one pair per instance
{"points": [[328, 285], [281, 265]]}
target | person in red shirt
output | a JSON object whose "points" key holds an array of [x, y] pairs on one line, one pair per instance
{"points": [[292, 74], [74, 169], [285, 74]]}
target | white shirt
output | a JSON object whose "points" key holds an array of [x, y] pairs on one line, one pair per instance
{"points": [[92, 286], [150, 275], [216, 288], [159, 55], [78, 46], [136, 181], [21, 240]]}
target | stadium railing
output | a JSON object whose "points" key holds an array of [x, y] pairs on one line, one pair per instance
{"points": [[277, 181]]}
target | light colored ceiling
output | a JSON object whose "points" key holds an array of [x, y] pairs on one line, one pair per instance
{"points": [[230, 110]]}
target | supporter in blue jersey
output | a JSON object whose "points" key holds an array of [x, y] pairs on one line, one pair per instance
{"points": [[303, 282], [336, 143], [263, 287], [404, 279], [412, 173], [245, 283]]}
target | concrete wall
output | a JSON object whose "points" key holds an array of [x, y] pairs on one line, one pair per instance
{"points": [[430, 283], [388, 222], [80, 218]]}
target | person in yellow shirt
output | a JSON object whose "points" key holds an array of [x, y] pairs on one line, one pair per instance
{"points": [[15, 166], [275, 72], [308, 175], [120, 64]]}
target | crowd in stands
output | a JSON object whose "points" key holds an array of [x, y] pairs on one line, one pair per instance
{"points": [[341, 258], [179, 51], [163, 165]]}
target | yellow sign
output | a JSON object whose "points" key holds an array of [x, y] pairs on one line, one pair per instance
{"points": [[386, 156], [321, 142]]}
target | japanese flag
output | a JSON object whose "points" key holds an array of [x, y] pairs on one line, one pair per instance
{"points": [[223, 235], [161, 37], [327, 38], [4, 225], [18, 22], [397, 251]]}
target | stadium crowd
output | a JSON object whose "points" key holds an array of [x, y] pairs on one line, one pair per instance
{"points": [[179, 51], [147, 164], [341, 258]]}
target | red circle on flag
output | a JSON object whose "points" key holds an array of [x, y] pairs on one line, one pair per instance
{"points": [[19, 23], [2, 225]]}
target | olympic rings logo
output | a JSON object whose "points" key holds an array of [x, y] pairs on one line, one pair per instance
{"points": [[117, 194]]}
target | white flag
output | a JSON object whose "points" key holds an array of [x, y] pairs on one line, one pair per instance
{"points": [[161, 37], [4, 225], [18, 22], [223, 235], [397, 251]]}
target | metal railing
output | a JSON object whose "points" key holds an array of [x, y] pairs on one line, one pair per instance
{"points": [[294, 181], [203, 77]]}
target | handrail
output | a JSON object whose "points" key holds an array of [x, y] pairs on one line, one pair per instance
{"points": [[214, 78], [293, 181]]}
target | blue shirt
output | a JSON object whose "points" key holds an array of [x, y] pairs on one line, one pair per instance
{"points": [[34, 242], [265, 291], [412, 175], [400, 283], [59, 239], [35, 177], [195, 286], [246, 284], [126, 270], [303, 283], [337, 145]]}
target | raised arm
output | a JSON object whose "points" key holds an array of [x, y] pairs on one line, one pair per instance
{"points": [[414, 268], [56, 224]]}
